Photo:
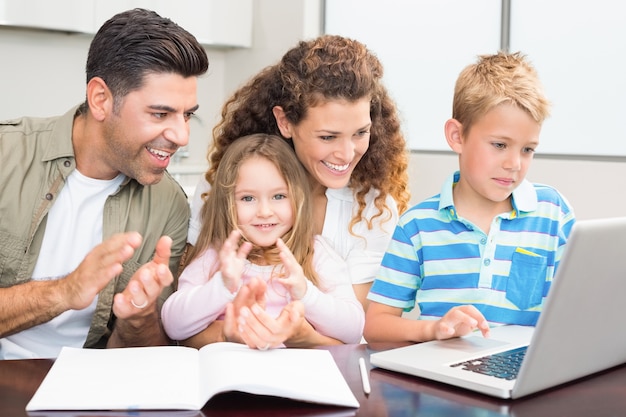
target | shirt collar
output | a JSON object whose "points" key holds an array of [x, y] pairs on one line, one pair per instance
{"points": [[60, 145], [524, 195]]}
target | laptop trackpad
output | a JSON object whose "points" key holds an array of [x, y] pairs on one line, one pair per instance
{"points": [[469, 344]]}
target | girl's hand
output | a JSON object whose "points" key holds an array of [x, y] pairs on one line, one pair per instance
{"points": [[293, 277], [253, 293], [232, 260]]}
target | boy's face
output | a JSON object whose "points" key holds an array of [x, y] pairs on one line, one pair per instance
{"points": [[494, 156]]}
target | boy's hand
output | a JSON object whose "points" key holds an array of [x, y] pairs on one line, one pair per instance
{"points": [[460, 321]]}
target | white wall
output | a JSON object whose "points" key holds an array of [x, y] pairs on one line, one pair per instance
{"points": [[42, 73], [591, 186]]}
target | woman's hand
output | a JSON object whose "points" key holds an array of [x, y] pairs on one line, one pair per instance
{"points": [[261, 331], [253, 293]]}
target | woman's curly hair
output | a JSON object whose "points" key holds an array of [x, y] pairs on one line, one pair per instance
{"points": [[324, 69]]}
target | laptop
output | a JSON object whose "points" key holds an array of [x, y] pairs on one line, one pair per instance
{"points": [[579, 332]]}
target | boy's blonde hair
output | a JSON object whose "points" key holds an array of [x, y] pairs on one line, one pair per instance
{"points": [[496, 79], [219, 213]]}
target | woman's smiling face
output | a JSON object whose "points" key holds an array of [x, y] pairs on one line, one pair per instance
{"points": [[331, 140]]}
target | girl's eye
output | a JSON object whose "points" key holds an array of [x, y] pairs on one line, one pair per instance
{"points": [[363, 133], [279, 196], [529, 150], [498, 145], [327, 138], [247, 198]]}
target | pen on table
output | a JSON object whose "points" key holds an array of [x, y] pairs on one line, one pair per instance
{"points": [[364, 377]]}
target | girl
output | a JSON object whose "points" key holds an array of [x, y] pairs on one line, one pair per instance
{"points": [[326, 99], [257, 224]]}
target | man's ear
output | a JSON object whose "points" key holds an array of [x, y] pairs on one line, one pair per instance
{"points": [[99, 98], [281, 120], [454, 135]]}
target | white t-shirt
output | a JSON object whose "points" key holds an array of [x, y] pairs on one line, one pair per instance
{"points": [[362, 250], [73, 229]]}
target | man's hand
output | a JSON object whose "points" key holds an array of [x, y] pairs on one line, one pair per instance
{"points": [[99, 267], [142, 292], [136, 308], [39, 301]]}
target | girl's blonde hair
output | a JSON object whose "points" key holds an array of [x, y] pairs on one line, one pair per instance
{"points": [[219, 214]]}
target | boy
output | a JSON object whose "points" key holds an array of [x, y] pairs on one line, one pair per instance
{"points": [[485, 250]]}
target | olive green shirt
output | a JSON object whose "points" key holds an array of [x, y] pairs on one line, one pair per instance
{"points": [[36, 157]]}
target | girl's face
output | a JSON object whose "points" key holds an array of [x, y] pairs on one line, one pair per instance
{"points": [[263, 203], [331, 140]]}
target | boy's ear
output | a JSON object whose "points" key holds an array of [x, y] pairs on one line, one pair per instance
{"points": [[99, 98], [281, 120], [454, 135]]}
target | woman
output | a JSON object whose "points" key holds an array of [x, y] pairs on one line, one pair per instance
{"points": [[326, 99]]}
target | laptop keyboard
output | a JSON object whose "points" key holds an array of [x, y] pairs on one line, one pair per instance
{"points": [[503, 365]]}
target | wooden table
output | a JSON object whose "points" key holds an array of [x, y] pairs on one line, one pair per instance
{"points": [[392, 394]]}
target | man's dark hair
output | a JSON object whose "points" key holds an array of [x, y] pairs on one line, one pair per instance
{"points": [[138, 42]]}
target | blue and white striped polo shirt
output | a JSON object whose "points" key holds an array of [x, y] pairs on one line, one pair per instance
{"points": [[443, 261]]}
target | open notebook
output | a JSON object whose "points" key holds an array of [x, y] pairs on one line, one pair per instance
{"points": [[580, 330], [183, 378]]}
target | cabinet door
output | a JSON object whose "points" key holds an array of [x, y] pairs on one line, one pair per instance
{"points": [[221, 23], [62, 15]]}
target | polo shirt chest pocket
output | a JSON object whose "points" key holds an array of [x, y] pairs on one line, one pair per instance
{"points": [[527, 279]]}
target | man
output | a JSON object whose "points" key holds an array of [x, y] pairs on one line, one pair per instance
{"points": [[91, 226]]}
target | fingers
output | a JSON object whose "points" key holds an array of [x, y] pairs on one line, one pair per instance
{"points": [[460, 321], [231, 334], [261, 331], [252, 329], [140, 295], [250, 294], [231, 246], [232, 260], [100, 266], [285, 254], [163, 251], [294, 279], [295, 311], [479, 321]]}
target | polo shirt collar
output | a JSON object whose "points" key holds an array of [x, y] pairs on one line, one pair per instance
{"points": [[524, 196]]}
